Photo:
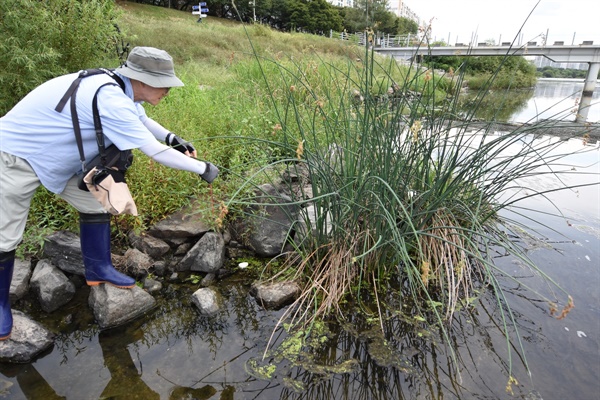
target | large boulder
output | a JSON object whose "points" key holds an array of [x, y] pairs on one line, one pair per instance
{"points": [[183, 224], [113, 306], [27, 340], [63, 249], [149, 245], [52, 287], [207, 255], [271, 221]]}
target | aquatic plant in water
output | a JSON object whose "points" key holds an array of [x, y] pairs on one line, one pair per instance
{"points": [[401, 189]]}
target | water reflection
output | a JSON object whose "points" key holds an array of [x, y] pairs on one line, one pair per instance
{"points": [[559, 100], [550, 99], [494, 105], [30, 381], [412, 364], [125, 376]]}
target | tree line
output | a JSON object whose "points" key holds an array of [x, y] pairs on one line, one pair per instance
{"points": [[494, 72], [553, 72], [309, 16]]}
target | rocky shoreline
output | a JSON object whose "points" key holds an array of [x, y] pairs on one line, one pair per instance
{"points": [[170, 251]]}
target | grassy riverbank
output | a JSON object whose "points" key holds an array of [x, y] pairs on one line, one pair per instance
{"points": [[224, 100]]}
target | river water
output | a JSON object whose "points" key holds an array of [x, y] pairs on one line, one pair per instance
{"points": [[174, 353], [557, 99]]}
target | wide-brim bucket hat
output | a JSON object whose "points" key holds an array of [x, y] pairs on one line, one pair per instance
{"points": [[152, 66]]}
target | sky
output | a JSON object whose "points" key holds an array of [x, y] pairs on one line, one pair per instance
{"points": [[570, 21]]}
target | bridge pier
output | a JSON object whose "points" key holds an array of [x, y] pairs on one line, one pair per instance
{"points": [[588, 90]]}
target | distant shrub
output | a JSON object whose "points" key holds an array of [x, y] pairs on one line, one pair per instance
{"points": [[570, 73]]}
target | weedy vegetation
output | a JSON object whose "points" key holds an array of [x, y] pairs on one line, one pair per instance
{"points": [[405, 194]]}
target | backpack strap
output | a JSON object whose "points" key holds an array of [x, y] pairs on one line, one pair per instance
{"points": [[84, 74], [98, 125], [71, 93]]}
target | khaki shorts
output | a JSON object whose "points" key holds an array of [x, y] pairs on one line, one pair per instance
{"points": [[18, 183]]}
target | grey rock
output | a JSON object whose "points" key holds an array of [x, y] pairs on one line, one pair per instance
{"points": [[176, 242], [296, 182], [113, 306], [52, 287], [151, 285], [275, 295], [182, 224], [227, 236], [27, 340], [19, 286], [136, 263], [63, 249], [159, 268], [208, 300], [149, 245], [207, 255], [270, 223], [183, 248], [208, 280], [235, 252], [310, 221]]}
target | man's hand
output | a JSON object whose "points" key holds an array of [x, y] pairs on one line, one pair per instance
{"points": [[180, 145]]}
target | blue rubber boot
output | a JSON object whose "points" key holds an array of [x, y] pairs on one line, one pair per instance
{"points": [[7, 265], [94, 231]]}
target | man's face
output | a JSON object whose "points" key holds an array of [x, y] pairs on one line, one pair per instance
{"points": [[150, 94], [156, 95]]}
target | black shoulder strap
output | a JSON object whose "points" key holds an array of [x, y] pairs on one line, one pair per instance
{"points": [[84, 74], [116, 77], [98, 125], [71, 94]]}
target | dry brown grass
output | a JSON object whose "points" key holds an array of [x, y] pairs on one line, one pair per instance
{"points": [[445, 265]]}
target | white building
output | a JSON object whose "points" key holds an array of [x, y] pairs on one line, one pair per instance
{"points": [[342, 3], [397, 7], [400, 8]]}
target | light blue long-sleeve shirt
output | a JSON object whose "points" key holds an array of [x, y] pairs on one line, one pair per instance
{"points": [[34, 131]]}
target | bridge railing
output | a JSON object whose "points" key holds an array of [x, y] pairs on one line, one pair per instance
{"points": [[379, 40], [412, 40]]}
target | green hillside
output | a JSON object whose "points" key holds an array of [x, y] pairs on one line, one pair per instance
{"points": [[216, 42]]}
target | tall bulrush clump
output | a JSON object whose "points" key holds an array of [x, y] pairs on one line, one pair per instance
{"points": [[403, 196], [395, 191]]}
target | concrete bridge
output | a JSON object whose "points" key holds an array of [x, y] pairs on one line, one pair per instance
{"points": [[583, 53]]}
